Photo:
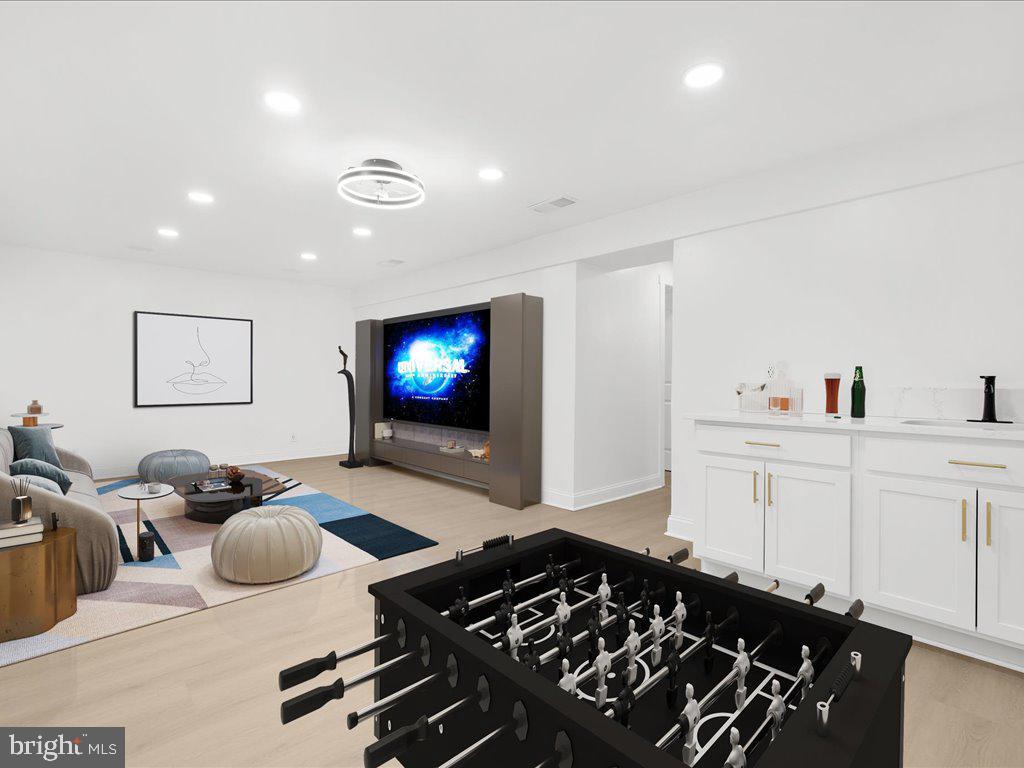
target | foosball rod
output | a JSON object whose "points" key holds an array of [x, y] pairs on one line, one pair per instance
{"points": [[307, 670], [551, 653], [496, 594], [355, 718], [551, 620], [312, 700], [399, 740], [484, 623], [765, 725], [518, 722]]}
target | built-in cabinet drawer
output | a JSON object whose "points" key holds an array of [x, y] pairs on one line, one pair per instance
{"points": [[387, 451], [775, 444], [958, 460], [477, 471]]}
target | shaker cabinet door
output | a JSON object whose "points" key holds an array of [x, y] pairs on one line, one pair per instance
{"points": [[733, 496], [1001, 565]]}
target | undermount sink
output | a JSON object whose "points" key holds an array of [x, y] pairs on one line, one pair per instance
{"points": [[961, 424]]}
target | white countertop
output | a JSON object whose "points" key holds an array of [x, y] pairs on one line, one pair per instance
{"points": [[876, 424]]}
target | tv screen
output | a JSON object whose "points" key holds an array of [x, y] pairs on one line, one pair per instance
{"points": [[437, 370]]}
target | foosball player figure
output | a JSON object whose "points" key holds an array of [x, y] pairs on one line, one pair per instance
{"points": [[678, 617], [568, 680], [672, 664], [562, 613], [777, 709], [593, 633], [657, 630], [508, 588], [459, 611], [602, 666], [531, 658], [515, 638], [502, 616], [621, 615], [565, 646], [806, 671], [632, 649], [645, 602], [624, 703], [551, 570], [604, 594], [566, 584], [689, 718], [736, 758], [742, 667]]}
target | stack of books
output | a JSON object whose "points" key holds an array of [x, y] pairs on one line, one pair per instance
{"points": [[13, 535]]}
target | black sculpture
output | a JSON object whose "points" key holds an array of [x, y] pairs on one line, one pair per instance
{"points": [[351, 462]]}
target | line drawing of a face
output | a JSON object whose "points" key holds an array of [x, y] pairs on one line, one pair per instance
{"points": [[196, 382]]}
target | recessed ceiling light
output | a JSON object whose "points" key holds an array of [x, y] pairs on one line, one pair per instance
{"points": [[308, 256], [491, 174], [197, 196], [703, 75], [167, 232], [282, 103], [362, 231]]}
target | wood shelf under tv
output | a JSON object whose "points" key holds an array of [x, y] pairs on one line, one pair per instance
{"points": [[513, 476], [417, 455]]}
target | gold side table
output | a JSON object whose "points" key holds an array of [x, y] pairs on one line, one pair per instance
{"points": [[37, 584]]}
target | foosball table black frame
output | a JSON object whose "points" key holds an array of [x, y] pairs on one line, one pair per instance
{"points": [[864, 730]]}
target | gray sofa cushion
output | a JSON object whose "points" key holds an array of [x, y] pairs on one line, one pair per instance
{"points": [[6, 451], [83, 489], [34, 443], [42, 482], [42, 469]]}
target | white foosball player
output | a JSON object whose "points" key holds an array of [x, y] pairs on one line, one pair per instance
{"points": [[515, 638], [689, 718], [777, 709], [562, 613], [742, 667], [568, 681], [657, 630], [602, 665], [604, 594], [736, 758], [632, 649], [806, 671], [678, 617]]}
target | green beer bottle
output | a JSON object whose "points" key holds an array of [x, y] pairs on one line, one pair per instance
{"points": [[858, 394]]}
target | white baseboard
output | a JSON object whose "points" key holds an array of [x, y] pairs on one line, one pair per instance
{"points": [[559, 499], [617, 491]]}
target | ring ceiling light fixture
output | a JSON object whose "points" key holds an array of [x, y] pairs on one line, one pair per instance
{"points": [[381, 184]]}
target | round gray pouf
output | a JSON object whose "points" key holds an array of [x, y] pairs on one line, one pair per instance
{"points": [[161, 466], [262, 545]]}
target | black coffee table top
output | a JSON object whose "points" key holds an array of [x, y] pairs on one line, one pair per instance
{"points": [[253, 484]]}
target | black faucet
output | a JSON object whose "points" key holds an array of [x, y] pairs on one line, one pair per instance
{"points": [[988, 414]]}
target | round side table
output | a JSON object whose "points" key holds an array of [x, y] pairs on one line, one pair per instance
{"points": [[139, 494]]}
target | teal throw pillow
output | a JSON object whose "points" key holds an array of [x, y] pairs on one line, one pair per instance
{"points": [[34, 443], [42, 469]]}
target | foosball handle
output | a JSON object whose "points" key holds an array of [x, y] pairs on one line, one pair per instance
{"points": [[311, 701], [773, 586], [394, 744], [817, 592], [855, 610], [306, 670], [680, 557], [733, 577]]}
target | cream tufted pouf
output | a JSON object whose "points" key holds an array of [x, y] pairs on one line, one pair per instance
{"points": [[262, 545]]}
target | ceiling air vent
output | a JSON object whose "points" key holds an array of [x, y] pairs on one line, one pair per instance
{"points": [[552, 205], [390, 262]]}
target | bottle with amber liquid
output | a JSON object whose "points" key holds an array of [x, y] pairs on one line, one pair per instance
{"points": [[858, 394]]}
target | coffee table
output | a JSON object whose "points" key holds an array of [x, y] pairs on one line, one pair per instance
{"points": [[218, 506]]}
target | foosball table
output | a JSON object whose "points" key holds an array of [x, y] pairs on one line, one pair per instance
{"points": [[556, 651]]}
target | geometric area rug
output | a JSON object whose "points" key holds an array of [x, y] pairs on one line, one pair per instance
{"points": [[180, 578]]}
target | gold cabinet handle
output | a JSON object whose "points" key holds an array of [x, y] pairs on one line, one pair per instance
{"points": [[755, 487], [763, 445], [988, 523], [963, 520], [960, 463], [769, 489]]}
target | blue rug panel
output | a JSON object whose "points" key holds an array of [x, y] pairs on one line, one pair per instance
{"points": [[377, 536], [323, 507], [117, 485], [160, 561]]}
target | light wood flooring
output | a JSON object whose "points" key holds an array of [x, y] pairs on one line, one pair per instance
{"points": [[201, 689]]}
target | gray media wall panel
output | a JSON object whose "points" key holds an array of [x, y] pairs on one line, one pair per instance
{"points": [[369, 383]]}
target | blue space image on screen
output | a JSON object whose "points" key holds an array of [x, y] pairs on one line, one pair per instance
{"points": [[437, 370]]}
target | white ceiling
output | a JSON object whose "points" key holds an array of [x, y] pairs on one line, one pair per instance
{"points": [[110, 113]]}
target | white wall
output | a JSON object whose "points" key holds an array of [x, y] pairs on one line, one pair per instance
{"points": [[557, 286], [619, 382], [69, 345]]}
